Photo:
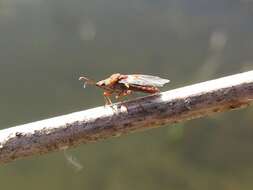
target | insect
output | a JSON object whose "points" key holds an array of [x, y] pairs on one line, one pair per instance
{"points": [[123, 85]]}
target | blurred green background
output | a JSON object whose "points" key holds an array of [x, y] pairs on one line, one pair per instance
{"points": [[46, 45]]}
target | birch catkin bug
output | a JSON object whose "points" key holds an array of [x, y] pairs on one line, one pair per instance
{"points": [[123, 85]]}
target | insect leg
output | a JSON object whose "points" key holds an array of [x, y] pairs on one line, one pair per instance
{"points": [[107, 99], [124, 93], [127, 85]]}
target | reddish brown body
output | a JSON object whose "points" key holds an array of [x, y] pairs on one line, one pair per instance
{"points": [[146, 89], [123, 85]]}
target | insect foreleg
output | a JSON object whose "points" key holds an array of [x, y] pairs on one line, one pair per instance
{"points": [[107, 99], [109, 102]]}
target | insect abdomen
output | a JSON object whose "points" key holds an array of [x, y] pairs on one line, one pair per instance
{"points": [[146, 89]]}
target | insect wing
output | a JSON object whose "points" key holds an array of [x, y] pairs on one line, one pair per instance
{"points": [[144, 80]]}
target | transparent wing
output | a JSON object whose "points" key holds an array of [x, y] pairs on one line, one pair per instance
{"points": [[144, 80]]}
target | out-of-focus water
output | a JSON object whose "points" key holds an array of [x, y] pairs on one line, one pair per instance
{"points": [[46, 45]]}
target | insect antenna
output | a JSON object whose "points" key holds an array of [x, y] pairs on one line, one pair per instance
{"points": [[87, 81]]}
